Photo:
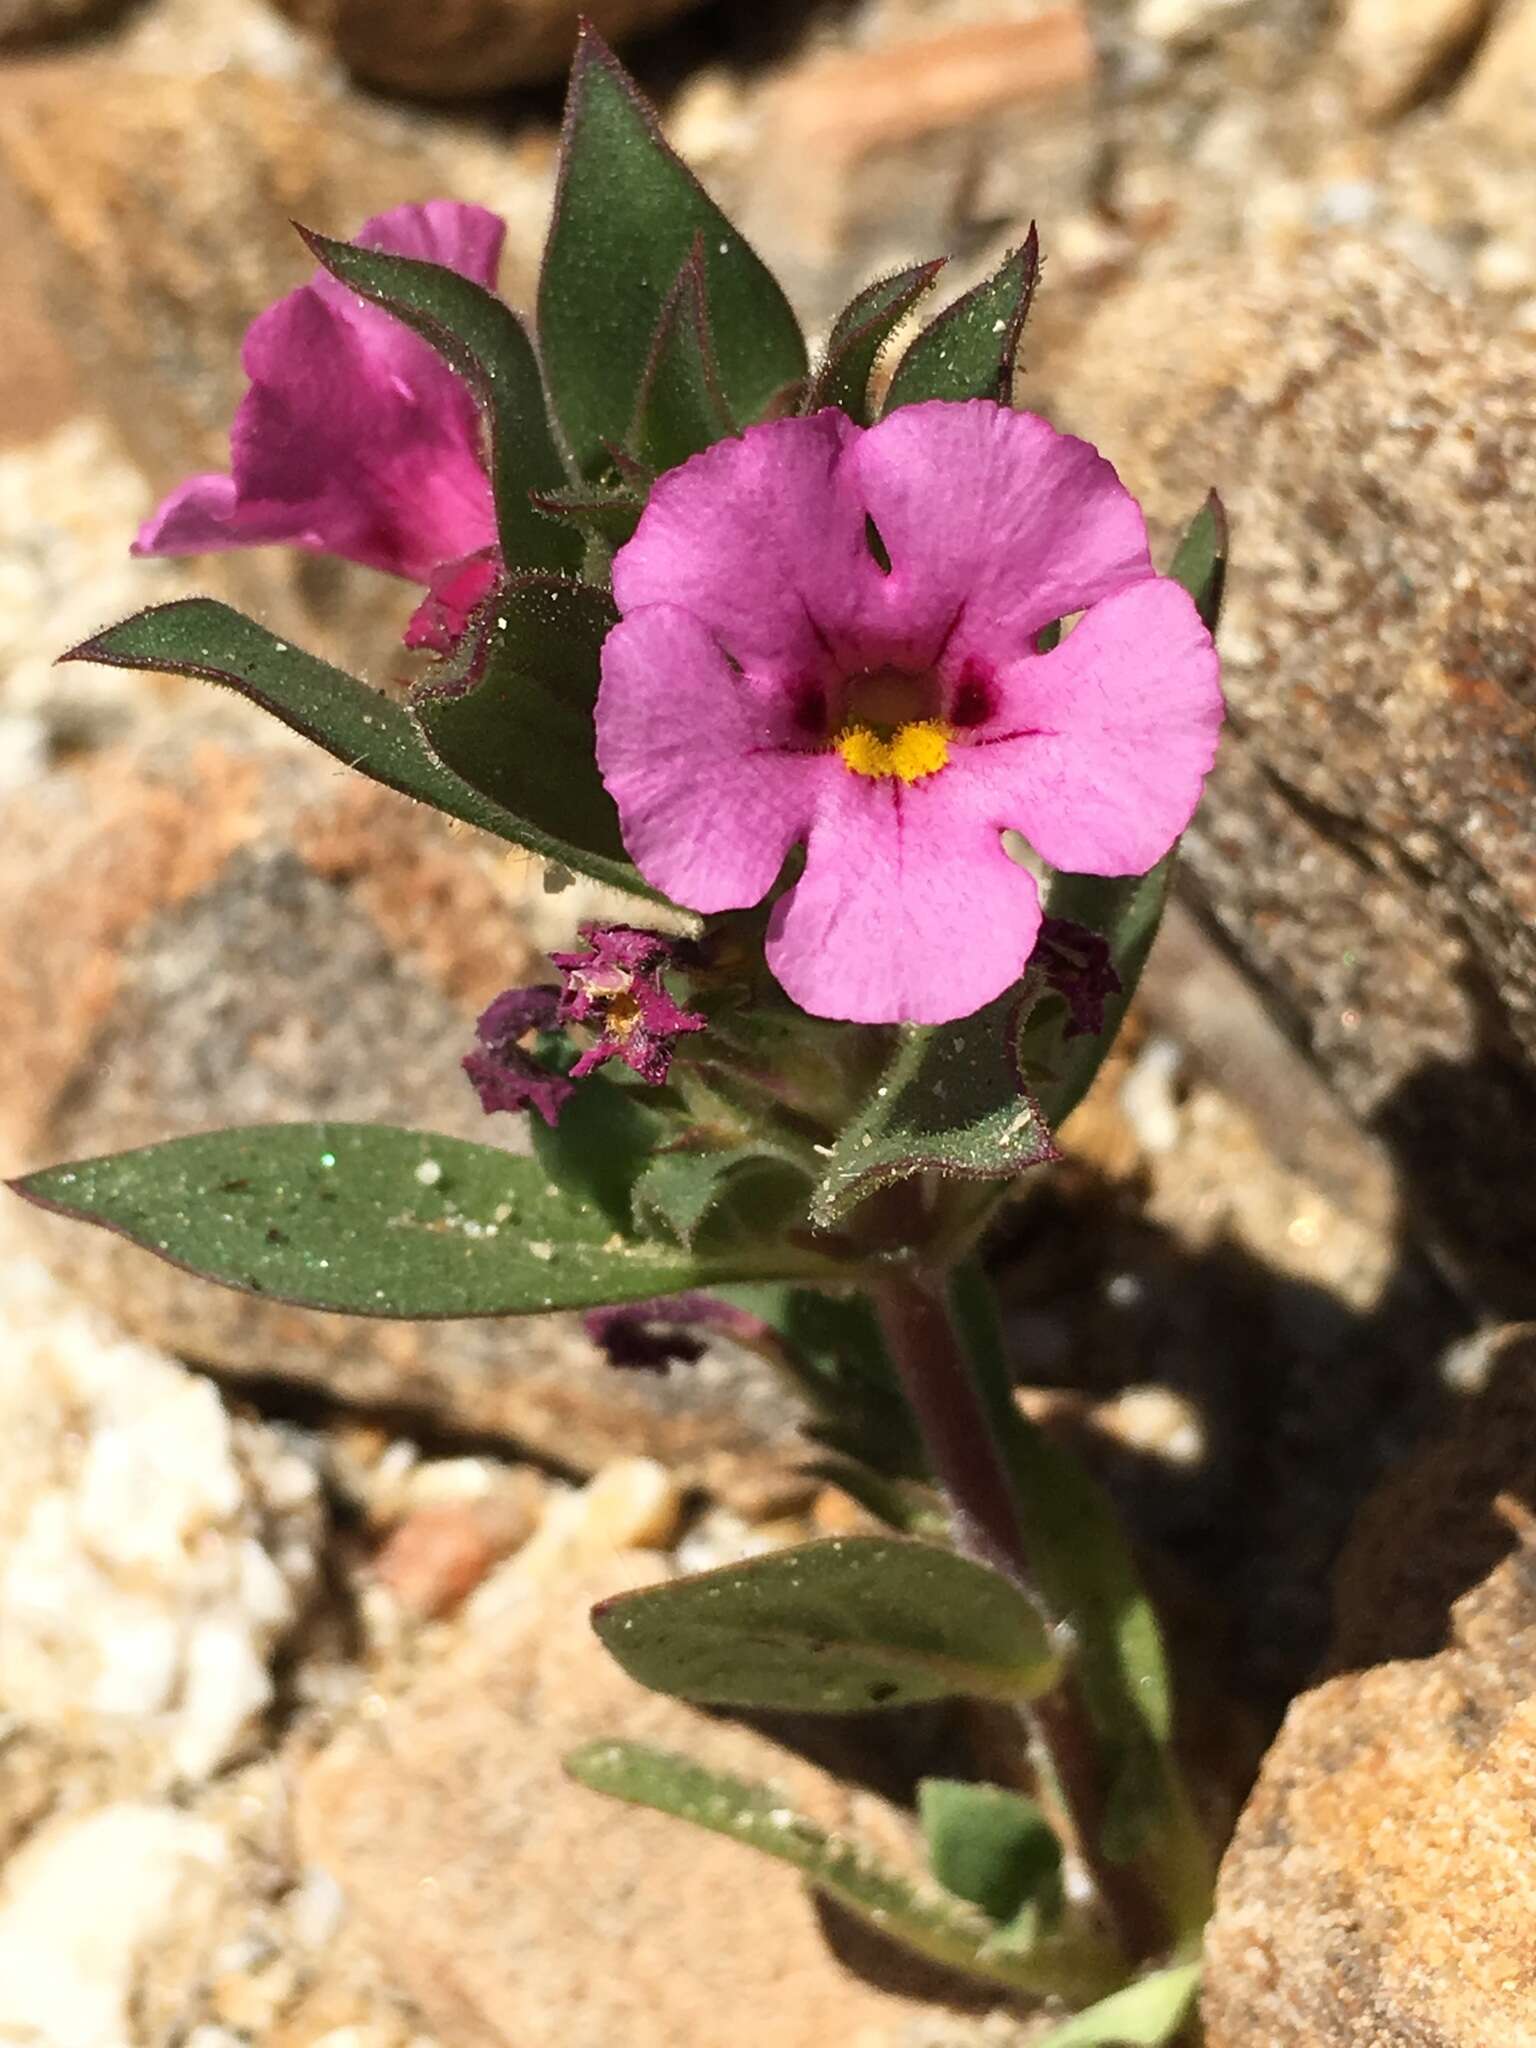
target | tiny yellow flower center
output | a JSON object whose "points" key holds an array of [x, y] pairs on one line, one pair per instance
{"points": [[916, 749]]}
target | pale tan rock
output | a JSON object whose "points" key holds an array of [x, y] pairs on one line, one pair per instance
{"points": [[1380, 1888], [513, 1905], [632, 1504], [1394, 47], [219, 926], [460, 49], [1364, 848], [438, 1555]]}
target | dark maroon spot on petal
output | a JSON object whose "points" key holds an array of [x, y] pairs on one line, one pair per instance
{"points": [[875, 542], [809, 709], [974, 700]]}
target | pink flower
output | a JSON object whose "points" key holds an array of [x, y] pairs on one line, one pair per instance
{"points": [[355, 438], [829, 639]]}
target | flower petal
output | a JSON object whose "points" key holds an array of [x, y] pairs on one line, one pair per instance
{"points": [[690, 750], [1117, 729], [992, 517], [762, 538], [909, 909], [355, 438]]}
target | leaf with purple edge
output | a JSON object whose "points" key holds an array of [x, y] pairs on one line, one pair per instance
{"points": [[681, 409], [367, 1220], [970, 350], [627, 211], [859, 334], [951, 1101], [198, 636], [482, 339]]}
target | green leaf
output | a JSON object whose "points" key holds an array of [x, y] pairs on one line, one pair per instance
{"points": [[479, 336], [1129, 909], [609, 517], [940, 1929], [833, 1627], [859, 334], [951, 1102], [197, 636], [679, 1190], [993, 1848], [970, 349], [375, 1222], [600, 1148], [627, 210], [516, 723], [680, 409], [1143, 2015], [1200, 560]]}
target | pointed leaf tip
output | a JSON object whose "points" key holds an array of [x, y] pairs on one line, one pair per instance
{"points": [[970, 349], [627, 211]]}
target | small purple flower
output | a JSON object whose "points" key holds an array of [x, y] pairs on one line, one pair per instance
{"points": [[828, 640], [616, 988], [355, 438], [1076, 963], [503, 1073]]}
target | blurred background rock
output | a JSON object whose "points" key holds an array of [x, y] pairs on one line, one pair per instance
{"points": [[1290, 252]]}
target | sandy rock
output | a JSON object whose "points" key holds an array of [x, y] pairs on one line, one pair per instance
{"points": [[154, 1554], [1395, 47], [1380, 1886], [514, 1905], [1364, 848], [218, 926], [81, 1905], [460, 49]]}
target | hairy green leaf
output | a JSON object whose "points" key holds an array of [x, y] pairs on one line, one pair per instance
{"points": [[969, 351], [833, 1627], [859, 334], [627, 211], [951, 1101], [515, 721], [681, 408], [376, 1222], [481, 338]]}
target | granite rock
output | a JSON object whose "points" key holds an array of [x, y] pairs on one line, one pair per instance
{"points": [[1380, 1887], [1365, 845]]}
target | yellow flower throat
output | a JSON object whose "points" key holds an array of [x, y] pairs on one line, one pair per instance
{"points": [[918, 748]]}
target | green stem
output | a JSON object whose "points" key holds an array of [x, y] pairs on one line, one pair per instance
{"points": [[966, 1447]]}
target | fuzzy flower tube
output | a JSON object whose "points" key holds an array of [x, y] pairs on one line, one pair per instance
{"points": [[862, 694]]}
